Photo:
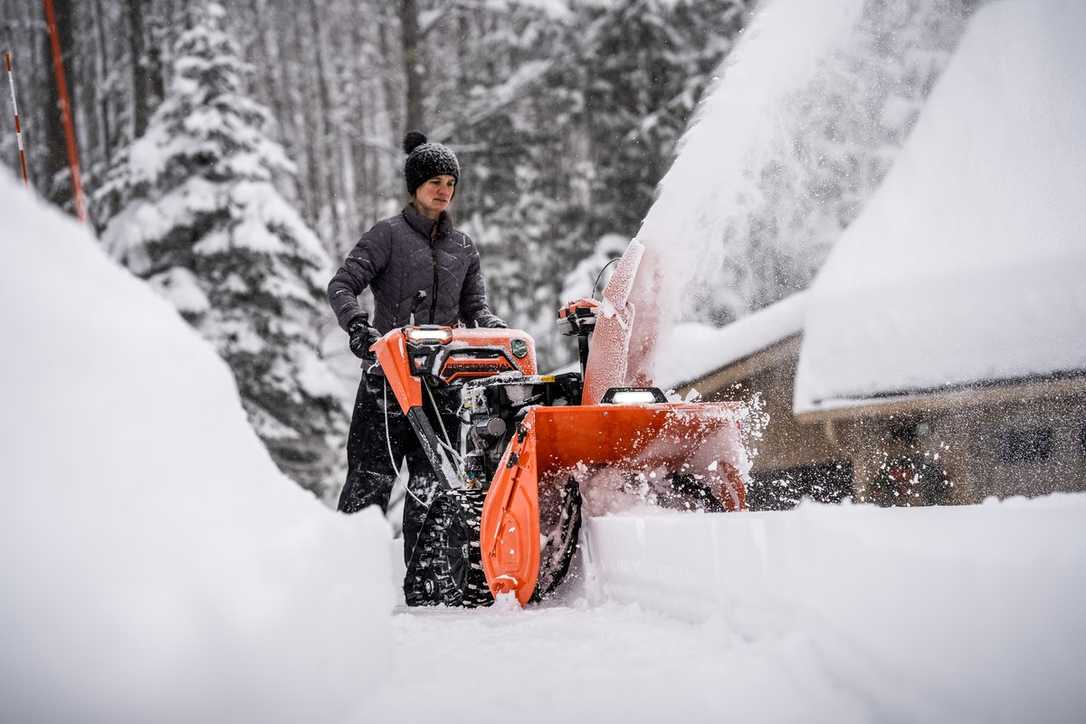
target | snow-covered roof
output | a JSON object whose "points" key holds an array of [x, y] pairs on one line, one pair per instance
{"points": [[967, 266], [694, 350]]}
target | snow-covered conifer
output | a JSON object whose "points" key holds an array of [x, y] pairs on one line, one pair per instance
{"points": [[205, 224], [646, 64], [571, 118]]}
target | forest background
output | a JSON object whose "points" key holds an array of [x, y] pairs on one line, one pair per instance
{"points": [[233, 152], [565, 115]]}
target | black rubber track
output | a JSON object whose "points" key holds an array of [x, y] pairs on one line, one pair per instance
{"points": [[447, 567]]}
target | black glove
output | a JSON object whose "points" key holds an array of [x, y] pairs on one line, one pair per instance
{"points": [[362, 335], [490, 320]]}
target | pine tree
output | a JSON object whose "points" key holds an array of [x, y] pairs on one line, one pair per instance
{"points": [[502, 102], [646, 64], [567, 120], [205, 224]]}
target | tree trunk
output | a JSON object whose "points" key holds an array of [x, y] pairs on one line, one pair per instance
{"points": [[300, 83], [137, 48], [363, 108], [87, 68], [392, 99], [284, 98], [327, 146], [269, 67], [412, 62], [101, 74], [169, 14], [154, 78]]}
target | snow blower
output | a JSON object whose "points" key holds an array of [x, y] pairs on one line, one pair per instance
{"points": [[505, 512]]}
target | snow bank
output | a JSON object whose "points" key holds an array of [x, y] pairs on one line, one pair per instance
{"points": [[967, 264], [921, 614], [156, 566]]}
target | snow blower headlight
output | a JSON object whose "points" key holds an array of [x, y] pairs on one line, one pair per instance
{"points": [[430, 335], [633, 396]]}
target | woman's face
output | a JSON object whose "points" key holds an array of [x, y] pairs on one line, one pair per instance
{"points": [[435, 195]]}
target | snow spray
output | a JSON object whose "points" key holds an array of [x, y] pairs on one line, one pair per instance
{"points": [[66, 112], [814, 102], [18, 125]]}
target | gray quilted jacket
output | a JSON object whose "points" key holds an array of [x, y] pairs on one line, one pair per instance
{"points": [[403, 255]]}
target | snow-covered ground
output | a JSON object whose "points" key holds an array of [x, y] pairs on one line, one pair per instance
{"points": [[905, 614], [821, 614], [598, 663], [155, 566]]}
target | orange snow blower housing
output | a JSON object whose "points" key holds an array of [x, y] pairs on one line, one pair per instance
{"points": [[532, 448]]}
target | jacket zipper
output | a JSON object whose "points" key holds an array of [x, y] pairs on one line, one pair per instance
{"points": [[433, 297]]}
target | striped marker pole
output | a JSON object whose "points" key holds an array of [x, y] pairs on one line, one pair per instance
{"points": [[18, 125]]}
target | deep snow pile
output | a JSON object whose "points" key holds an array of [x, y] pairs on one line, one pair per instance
{"points": [[156, 566], [967, 264], [970, 613]]}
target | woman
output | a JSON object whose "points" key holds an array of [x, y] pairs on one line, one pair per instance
{"points": [[418, 250]]}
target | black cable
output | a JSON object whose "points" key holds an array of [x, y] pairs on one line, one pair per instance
{"points": [[600, 275]]}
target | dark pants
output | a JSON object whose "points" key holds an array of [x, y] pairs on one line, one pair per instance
{"points": [[370, 471]]}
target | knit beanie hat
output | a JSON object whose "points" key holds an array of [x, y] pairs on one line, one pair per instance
{"points": [[426, 160]]}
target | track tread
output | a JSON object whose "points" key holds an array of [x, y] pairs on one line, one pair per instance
{"points": [[447, 569]]}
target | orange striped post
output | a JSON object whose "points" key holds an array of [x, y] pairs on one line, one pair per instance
{"points": [[66, 112], [18, 125]]}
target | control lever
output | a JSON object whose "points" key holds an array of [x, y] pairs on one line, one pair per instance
{"points": [[579, 318], [420, 297]]}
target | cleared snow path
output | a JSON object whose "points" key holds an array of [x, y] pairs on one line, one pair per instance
{"points": [[824, 613], [605, 663]]}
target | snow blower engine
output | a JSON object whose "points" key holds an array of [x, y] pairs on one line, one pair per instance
{"points": [[516, 454]]}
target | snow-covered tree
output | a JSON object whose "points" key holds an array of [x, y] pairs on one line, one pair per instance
{"points": [[645, 64], [204, 223], [565, 117]]}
